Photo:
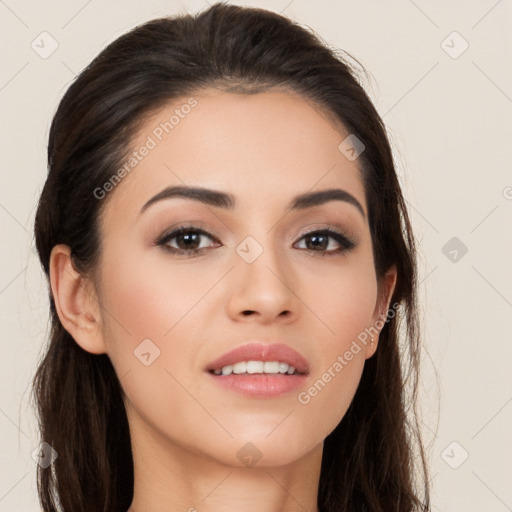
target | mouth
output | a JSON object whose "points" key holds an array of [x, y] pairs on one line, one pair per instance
{"points": [[258, 370]]}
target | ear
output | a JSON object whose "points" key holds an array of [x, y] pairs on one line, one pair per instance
{"points": [[386, 287], [75, 301]]}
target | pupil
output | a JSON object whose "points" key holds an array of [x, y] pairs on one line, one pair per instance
{"points": [[316, 237], [187, 237]]}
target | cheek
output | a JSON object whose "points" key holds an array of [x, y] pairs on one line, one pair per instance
{"points": [[151, 328], [343, 302], [148, 300], [342, 299]]}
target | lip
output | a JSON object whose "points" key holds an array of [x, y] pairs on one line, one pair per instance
{"points": [[261, 385], [262, 352]]}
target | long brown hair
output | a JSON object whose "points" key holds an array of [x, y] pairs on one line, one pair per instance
{"points": [[374, 459]]}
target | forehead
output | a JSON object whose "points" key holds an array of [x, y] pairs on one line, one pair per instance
{"points": [[263, 148]]}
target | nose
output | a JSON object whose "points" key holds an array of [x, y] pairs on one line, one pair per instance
{"points": [[263, 289]]}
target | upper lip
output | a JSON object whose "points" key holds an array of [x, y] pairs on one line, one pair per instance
{"points": [[261, 352]]}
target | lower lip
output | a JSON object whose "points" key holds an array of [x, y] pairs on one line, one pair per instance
{"points": [[261, 385]]}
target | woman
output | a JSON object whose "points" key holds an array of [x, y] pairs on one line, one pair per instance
{"points": [[230, 261]]}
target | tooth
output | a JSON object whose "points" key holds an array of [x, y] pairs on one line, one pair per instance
{"points": [[251, 367], [255, 367], [271, 367], [227, 370], [283, 367], [240, 367]]}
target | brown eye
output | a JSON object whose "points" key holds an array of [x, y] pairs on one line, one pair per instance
{"points": [[319, 242], [187, 240]]}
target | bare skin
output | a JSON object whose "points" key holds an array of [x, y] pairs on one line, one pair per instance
{"points": [[187, 432]]}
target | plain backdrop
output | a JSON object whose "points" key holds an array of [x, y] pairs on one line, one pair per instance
{"points": [[441, 78]]}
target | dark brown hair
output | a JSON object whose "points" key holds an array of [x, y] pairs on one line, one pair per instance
{"points": [[374, 459]]}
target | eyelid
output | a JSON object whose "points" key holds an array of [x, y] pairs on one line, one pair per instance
{"points": [[330, 227], [174, 231], [199, 226]]}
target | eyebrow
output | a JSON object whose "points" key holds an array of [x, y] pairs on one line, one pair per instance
{"points": [[227, 201]]}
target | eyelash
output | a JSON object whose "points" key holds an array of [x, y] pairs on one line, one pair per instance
{"points": [[343, 239]]}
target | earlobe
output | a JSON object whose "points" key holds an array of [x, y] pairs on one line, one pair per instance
{"points": [[386, 290], [75, 301]]}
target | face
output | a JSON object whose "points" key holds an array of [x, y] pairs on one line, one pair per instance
{"points": [[258, 271]]}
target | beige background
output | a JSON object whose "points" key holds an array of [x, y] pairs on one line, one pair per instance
{"points": [[449, 115]]}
